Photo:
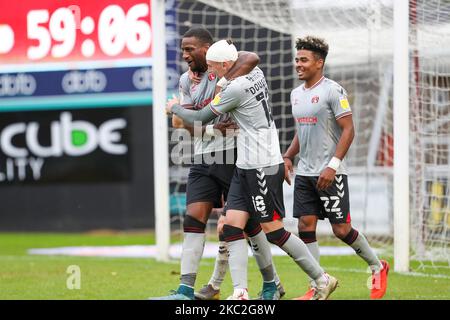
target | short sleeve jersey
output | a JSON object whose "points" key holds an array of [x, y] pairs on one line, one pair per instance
{"points": [[315, 112], [246, 99], [199, 96]]}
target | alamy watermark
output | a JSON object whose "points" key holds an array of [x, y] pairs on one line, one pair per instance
{"points": [[255, 148], [73, 281]]}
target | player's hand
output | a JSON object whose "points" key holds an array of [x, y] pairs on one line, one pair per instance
{"points": [[326, 178], [220, 224], [177, 122], [194, 76], [288, 170], [226, 126], [170, 103]]}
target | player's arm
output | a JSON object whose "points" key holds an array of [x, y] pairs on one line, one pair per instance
{"points": [[178, 123], [185, 100], [341, 109], [245, 63], [288, 158], [290, 154], [195, 78], [348, 133], [224, 127], [223, 103], [192, 116], [187, 103]]}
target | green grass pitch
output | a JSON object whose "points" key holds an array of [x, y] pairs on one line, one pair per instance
{"points": [[24, 276]]}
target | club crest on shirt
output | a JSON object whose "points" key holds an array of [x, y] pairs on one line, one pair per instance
{"points": [[315, 99], [211, 76]]}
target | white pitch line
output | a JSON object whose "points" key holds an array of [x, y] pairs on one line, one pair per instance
{"points": [[412, 274], [210, 251]]}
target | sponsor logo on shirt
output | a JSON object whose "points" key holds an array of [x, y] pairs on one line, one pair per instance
{"points": [[307, 120], [315, 99]]}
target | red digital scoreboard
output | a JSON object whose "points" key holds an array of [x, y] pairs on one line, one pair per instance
{"points": [[73, 31], [56, 54]]}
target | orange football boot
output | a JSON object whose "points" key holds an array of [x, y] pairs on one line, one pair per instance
{"points": [[308, 295], [379, 282]]}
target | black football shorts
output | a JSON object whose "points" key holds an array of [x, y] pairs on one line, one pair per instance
{"points": [[332, 203], [208, 182], [258, 192]]}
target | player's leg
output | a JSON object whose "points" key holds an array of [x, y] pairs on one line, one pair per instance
{"points": [[211, 291], [359, 243], [261, 251], [307, 225], [260, 248], [202, 194], [298, 251], [336, 202], [222, 172], [233, 231], [268, 203], [192, 249], [236, 218], [221, 265], [307, 208], [258, 240], [280, 288], [193, 243]]}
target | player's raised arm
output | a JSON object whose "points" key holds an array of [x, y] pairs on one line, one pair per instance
{"points": [[221, 57], [245, 63]]}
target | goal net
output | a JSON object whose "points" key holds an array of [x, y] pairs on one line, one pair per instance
{"points": [[360, 36], [430, 130]]}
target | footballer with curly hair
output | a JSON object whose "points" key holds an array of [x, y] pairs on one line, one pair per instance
{"points": [[325, 132]]}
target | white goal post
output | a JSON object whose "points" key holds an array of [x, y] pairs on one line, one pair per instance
{"points": [[160, 132], [401, 135]]}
